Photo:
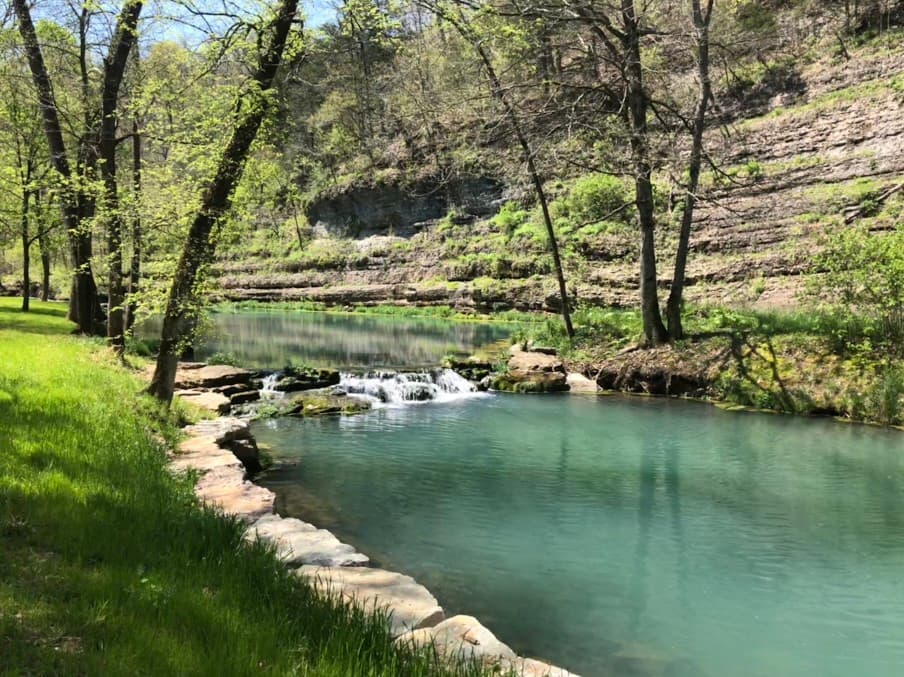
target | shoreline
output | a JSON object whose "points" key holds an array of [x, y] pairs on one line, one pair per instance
{"points": [[221, 449], [784, 372], [337, 569]]}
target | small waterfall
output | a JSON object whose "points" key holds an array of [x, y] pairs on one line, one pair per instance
{"points": [[268, 383], [391, 388]]}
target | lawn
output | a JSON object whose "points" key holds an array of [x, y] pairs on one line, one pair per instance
{"points": [[107, 563]]}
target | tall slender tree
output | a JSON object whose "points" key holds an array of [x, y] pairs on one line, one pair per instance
{"points": [[701, 16], [458, 19], [99, 128], [197, 253]]}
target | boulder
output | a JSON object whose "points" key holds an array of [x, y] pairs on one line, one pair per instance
{"points": [[529, 667], [470, 368], [578, 383], [460, 638], [409, 605], [210, 376], [531, 372], [248, 453], [298, 543], [322, 404], [227, 489]]}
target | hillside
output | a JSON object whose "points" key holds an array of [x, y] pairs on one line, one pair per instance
{"points": [[829, 134]]}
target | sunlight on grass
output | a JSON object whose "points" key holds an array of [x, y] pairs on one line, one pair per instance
{"points": [[108, 564]]}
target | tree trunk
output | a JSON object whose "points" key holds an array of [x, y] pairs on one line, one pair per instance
{"points": [[197, 253], [114, 69], [26, 253], [637, 103], [83, 306], [674, 303], [135, 261], [45, 267], [537, 180]]}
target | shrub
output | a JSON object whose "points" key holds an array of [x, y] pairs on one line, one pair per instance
{"points": [[510, 217], [597, 197], [227, 359], [864, 275], [754, 170], [884, 398]]}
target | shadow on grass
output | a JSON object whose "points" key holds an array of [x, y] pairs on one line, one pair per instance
{"points": [[43, 318]]}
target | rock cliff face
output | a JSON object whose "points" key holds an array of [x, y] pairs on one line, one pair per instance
{"points": [[831, 134], [391, 210]]}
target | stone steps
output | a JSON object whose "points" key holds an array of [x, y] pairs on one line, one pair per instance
{"points": [[333, 568], [298, 543]]}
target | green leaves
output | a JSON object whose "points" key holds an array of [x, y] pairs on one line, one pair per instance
{"points": [[863, 273]]}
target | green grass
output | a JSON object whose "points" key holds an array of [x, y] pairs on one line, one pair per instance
{"points": [[108, 565]]}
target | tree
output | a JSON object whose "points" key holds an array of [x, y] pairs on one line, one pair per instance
{"points": [[637, 101], [94, 143], [459, 20], [23, 172], [701, 21], [198, 250]]}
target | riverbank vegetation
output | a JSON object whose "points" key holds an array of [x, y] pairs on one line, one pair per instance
{"points": [[826, 362], [501, 160], [108, 564]]}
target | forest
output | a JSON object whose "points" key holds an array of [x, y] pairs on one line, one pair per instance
{"points": [[601, 118], [584, 133], [366, 233]]}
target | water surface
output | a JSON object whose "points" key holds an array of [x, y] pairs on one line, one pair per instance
{"points": [[624, 536], [272, 339]]}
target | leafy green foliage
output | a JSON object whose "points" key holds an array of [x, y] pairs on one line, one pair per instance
{"points": [[864, 275], [510, 217], [594, 198]]}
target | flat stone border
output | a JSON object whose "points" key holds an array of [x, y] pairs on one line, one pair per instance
{"points": [[214, 448]]}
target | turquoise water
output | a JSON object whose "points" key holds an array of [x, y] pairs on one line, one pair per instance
{"points": [[272, 340], [625, 536]]}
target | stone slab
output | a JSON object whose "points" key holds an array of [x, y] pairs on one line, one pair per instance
{"points": [[579, 383], [223, 429], [211, 376], [298, 543], [210, 401], [227, 489], [460, 638], [529, 667], [244, 397], [410, 605], [203, 454]]}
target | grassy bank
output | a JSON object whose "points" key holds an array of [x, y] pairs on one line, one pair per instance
{"points": [[108, 565], [792, 362]]}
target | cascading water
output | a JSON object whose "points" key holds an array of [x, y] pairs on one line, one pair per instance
{"points": [[389, 388], [268, 383]]}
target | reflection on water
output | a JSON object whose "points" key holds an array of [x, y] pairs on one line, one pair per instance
{"points": [[625, 537], [272, 340]]}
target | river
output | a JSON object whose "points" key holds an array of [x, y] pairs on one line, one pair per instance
{"points": [[611, 535]]}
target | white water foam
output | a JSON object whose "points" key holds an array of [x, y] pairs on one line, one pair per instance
{"points": [[398, 389], [269, 381]]}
